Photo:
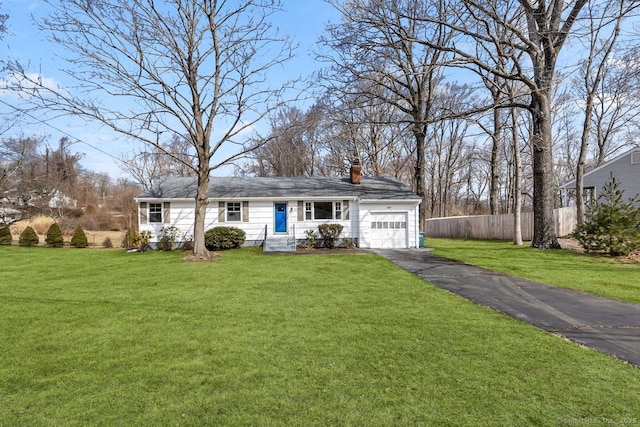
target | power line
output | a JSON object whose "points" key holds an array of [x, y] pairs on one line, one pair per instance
{"points": [[75, 139]]}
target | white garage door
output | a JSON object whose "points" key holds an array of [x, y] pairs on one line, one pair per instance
{"points": [[389, 230]]}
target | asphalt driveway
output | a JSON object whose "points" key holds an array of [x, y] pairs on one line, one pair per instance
{"points": [[608, 326]]}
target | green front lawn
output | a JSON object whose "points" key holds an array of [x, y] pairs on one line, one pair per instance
{"points": [[596, 274], [102, 337]]}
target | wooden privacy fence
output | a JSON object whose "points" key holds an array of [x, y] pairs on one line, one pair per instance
{"points": [[499, 227]]}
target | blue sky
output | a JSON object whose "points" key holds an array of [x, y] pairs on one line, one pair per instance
{"points": [[303, 20]]}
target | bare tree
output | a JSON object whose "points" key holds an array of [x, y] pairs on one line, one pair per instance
{"points": [[123, 202], [601, 47], [197, 68], [540, 29], [517, 165], [174, 159], [448, 151], [374, 131], [377, 42], [290, 148], [18, 157], [617, 105]]}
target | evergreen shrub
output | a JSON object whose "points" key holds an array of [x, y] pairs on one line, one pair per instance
{"points": [[107, 243], [611, 225], [131, 239], [223, 238], [54, 236], [79, 238], [5, 235], [28, 237]]}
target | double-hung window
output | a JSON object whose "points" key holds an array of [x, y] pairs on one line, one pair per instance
{"points": [[155, 212], [308, 211], [234, 211]]}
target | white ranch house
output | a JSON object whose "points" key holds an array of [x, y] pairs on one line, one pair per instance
{"points": [[375, 212]]}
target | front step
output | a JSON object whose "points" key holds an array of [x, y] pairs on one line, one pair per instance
{"points": [[279, 244]]}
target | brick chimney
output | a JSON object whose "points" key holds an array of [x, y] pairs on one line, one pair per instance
{"points": [[356, 169]]}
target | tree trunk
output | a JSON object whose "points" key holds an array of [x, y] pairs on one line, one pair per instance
{"points": [[494, 187], [517, 178], [544, 234], [419, 174], [580, 168], [202, 200]]}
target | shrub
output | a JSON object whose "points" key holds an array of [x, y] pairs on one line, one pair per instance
{"points": [[107, 243], [5, 235], [329, 234], [167, 238], [143, 242], [131, 239], [222, 238], [28, 237], [349, 242], [311, 239], [54, 236], [611, 225], [79, 239], [187, 242]]}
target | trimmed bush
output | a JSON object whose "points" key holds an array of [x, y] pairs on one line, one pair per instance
{"points": [[131, 239], [167, 237], [107, 243], [79, 239], [5, 235], [54, 236], [223, 238], [329, 234], [28, 237]]}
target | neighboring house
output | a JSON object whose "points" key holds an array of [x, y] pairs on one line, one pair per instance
{"points": [[8, 215], [375, 212], [60, 200], [625, 168]]}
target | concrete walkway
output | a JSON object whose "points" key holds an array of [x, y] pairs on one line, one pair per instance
{"points": [[608, 326]]}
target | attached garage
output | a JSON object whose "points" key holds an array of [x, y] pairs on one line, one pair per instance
{"points": [[389, 230]]}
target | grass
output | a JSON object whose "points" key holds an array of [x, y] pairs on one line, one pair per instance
{"points": [[102, 337], [598, 275]]}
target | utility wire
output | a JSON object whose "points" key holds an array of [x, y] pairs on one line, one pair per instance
{"points": [[75, 139]]}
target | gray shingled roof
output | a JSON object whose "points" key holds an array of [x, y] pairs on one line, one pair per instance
{"points": [[282, 187]]}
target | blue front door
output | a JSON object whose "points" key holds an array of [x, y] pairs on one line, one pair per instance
{"points": [[281, 217]]}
